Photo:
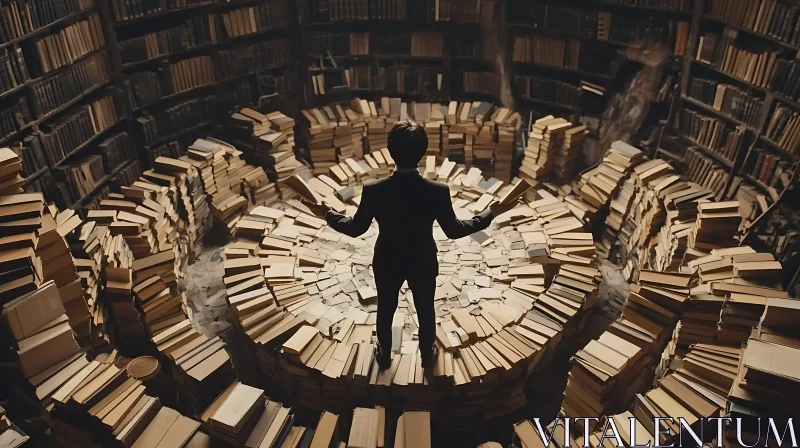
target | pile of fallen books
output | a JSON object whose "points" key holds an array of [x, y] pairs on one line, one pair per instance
{"points": [[105, 403]]}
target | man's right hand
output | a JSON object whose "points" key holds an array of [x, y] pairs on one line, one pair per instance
{"points": [[498, 209]]}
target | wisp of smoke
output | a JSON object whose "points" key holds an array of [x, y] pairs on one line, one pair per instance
{"points": [[627, 108], [494, 38]]}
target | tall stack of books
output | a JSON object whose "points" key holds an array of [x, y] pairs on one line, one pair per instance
{"points": [[378, 127], [639, 210], [217, 161], [319, 134], [621, 206], [126, 327], [58, 265], [565, 160], [538, 160], [597, 186], [454, 144], [433, 129], [86, 243], [507, 124], [533, 162], [267, 140]]}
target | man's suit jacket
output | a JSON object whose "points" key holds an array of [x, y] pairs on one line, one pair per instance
{"points": [[405, 205]]}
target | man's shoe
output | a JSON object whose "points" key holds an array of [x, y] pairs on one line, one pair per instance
{"points": [[384, 359], [429, 357]]}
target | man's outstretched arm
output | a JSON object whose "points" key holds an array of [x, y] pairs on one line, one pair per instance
{"points": [[358, 224], [456, 228]]}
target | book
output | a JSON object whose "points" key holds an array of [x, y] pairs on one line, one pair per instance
{"points": [[67, 45], [72, 82], [515, 193]]}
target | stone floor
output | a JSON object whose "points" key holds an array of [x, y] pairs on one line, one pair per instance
{"points": [[206, 293]]}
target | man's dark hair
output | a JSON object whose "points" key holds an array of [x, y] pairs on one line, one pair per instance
{"points": [[407, 143]]}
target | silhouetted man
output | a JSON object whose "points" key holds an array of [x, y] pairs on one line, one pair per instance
{"points": [[405, 206]]}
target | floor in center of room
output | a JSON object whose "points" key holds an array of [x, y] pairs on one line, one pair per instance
{"points": [[205, 291]]}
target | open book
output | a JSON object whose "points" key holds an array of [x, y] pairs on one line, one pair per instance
{"points": [[515, 193], [299, 185]]}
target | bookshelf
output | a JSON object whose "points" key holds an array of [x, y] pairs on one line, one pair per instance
{"points": [[560, 57], [734, 71], [397, 48], [233, 39], [577, 49]]}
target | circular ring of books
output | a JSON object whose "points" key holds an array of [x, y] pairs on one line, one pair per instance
{"points": [[306, 297]]}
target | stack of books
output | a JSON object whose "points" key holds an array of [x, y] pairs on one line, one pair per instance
{"points": [[506, 123], [236, 415], [319, 134], [86, 244], [58, 265], [717, 226], [599, 184], [41, 335], [565, 160]]}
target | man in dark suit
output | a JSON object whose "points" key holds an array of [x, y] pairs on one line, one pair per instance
{"points": [[405, 205]]}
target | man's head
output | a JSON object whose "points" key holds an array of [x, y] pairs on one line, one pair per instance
{"points": [[407, 143]]}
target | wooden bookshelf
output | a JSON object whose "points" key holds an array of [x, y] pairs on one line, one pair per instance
{"points": [[764, 37], [91, 141], [35, 175], [457, 58], [100, 184], [756, 143], [42, 31], [168, 12]]}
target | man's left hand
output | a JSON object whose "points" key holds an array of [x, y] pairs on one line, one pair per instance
{"points": [[319, 210]]}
